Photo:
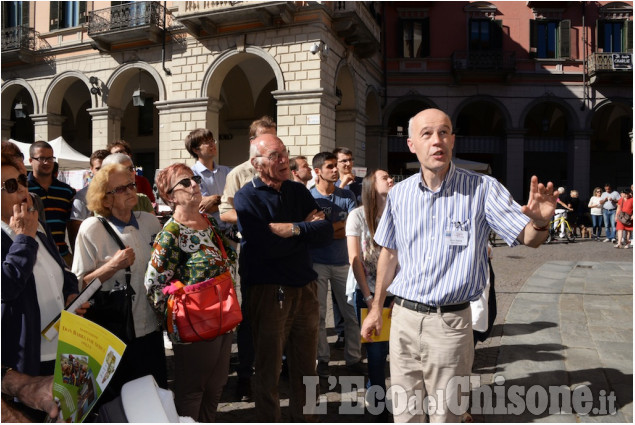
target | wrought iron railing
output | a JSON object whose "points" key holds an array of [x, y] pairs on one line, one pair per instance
{"points": [[484, 60], [126, 16], [20, 37]]}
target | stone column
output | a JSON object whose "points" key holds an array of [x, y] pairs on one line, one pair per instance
{"points": [[6, 129], [306, 120], [100, 120], [376, 147], [515, 163], [177, 118], [579, 163]]}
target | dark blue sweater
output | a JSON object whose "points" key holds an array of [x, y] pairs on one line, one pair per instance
{"points": [[269, 259], [20, 309]]}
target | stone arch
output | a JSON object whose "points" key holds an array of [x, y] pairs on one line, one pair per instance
{"points": [[483, 98], [572, 118], [226, 61], [116, 84], [59, 84], [12, 88]]}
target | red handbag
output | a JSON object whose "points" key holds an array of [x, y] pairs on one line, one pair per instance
{"points": [[204, 310]]}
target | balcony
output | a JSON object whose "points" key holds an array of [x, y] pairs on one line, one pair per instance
{"points": [[206, 17], [496, 63], [138, 22], [615, 68], [354, 22], [20, 44]]}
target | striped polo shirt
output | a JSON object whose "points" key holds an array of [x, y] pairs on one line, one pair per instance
{"points": [[416, 222], [58, 203]]}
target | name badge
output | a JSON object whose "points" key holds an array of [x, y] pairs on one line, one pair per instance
{"points": [[456, 237]]}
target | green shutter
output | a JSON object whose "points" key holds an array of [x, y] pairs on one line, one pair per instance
{"points": [[533, 39], [25, 12], [55, 15], [82, 12], [564, 30], [627, 35], [425, 34]]}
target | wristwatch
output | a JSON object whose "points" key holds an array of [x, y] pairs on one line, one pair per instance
{"points": [[368, 298], [296, 230]]}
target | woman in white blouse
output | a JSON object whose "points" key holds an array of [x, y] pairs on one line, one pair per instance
{"points": [[596, 212]]}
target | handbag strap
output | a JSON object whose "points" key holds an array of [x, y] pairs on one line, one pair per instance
{"points": [[114, 235], [219, 240]]}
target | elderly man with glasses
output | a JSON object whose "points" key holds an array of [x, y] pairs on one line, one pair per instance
{"points": [[56, 196], [279, 221]]}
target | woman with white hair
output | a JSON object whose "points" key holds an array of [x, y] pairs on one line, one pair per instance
{"points": [[143, 202]]}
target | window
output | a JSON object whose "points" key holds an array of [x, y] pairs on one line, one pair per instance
{"points": [[485, 34], [550, 39], [67, 14], [614, 36], [14, 13], [415, 38]]}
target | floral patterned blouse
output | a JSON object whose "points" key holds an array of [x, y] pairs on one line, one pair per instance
{"points": [[186, 254]]}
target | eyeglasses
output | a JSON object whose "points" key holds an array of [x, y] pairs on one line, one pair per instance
{"points": [[276, 156], [45, 159], [186, 182], [11, 185], [122, 189]]}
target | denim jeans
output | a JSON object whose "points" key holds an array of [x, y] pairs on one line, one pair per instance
{"points": [[376, 352], [597, 225], [609, 222]]}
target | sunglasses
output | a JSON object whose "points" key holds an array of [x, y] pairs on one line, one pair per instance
{"points": [[45, 159], [186, 182], [122, 189], [11, 185]]}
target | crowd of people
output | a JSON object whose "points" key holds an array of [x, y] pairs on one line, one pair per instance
{"points": [[291, 230]]}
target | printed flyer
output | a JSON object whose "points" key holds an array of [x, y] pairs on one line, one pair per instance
{"points": [[87, 357]]}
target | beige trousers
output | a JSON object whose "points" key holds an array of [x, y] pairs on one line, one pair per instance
{"points": [[427, 350]]}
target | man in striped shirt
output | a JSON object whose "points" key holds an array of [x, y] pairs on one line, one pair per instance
{"points": [[435, 227], [56, 196]]}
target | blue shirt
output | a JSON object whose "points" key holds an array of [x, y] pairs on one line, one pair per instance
{"points": [[269, 259], [415, 223], [336, 207], [355, 186], [212, 183]]}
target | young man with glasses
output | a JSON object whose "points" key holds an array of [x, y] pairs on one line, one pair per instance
{"points": [[201, 145], [347, 179], [56, 196]]}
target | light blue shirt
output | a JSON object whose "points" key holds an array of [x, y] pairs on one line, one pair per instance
{"points": [[415, 223], [612, 197], [212, 183]]}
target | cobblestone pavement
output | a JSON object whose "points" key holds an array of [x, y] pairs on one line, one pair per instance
{"points": [[512, 266]]}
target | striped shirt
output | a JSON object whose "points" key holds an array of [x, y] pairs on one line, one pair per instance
{"points": [[58, 202], [415, 222]]}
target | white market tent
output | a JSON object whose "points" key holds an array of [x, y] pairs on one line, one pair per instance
{"points": [[67, 157], [479, 167]]}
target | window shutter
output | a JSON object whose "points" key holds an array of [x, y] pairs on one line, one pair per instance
{"points": [[599, 36], [55, 15], [425, 33], [25, 12], [565, 38], [627, 43], [497, 34], [533, 39], [400, 39], [82, 12]]}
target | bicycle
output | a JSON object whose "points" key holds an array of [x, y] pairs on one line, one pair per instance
{"points": [[554, 229]]}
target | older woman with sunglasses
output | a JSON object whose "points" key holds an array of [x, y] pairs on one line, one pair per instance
{"points": [[112, 195], [36, 284], [190, 249]]}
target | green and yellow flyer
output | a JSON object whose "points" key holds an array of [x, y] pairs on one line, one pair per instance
{"points": [[87, 357]]}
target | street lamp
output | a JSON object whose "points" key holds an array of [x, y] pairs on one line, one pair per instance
{"points": [[139, 97], [20, 110]]}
